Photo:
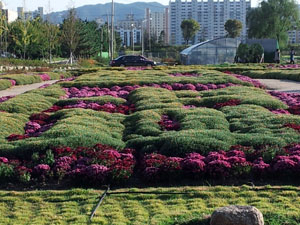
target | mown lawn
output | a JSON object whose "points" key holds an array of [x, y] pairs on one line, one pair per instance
{"points": [[280, 205]]}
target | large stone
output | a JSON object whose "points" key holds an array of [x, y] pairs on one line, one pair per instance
{"points": [[237, 215]]}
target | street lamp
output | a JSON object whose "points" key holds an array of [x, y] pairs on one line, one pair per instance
{"points": [[143, 34]]}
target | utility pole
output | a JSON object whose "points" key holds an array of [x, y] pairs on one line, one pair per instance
{"points": [[49, 31], [112, 29], [108, 37]]}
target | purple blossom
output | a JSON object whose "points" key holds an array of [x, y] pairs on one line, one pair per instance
{"points": [[3, 160], [193, 165], [41, 170]]}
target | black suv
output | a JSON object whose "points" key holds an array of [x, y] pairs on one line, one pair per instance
{"points": [[131, 60]]}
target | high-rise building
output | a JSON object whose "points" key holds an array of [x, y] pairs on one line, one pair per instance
{"points": [[129, 30], [157, 24], [210, 14], [294, 35], [29, 15]]}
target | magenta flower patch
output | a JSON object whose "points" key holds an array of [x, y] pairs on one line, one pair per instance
{"points": [[167, 124], [231, 102]]}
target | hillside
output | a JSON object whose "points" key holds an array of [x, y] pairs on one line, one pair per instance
{"points": [[92, 12]]}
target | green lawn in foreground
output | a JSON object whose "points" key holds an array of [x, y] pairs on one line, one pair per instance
{"points": [[280, 205]]}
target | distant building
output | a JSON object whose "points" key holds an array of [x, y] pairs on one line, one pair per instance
{"points": [[129, 30], [210, 14], [9, 15], [157, 24], [29, 15], [294, 35]]}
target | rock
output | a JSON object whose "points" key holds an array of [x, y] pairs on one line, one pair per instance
{"points": [[237, 215]]}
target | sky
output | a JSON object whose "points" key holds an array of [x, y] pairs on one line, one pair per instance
{"points": [[59, 5]]}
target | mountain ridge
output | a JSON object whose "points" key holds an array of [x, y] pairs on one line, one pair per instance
{"points": [[92, 12]]}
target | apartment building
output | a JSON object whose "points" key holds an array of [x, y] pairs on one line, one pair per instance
{"points": [[210, 14], [156, 23], [29, 15]]}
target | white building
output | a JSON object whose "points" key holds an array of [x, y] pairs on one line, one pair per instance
{"points": [[210, 14], [30, 14], [294, 35], [126, 36], [156, 23], [129, 30], [9, 15]]}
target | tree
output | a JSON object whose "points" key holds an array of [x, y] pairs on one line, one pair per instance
{"points": [[189, 28], [255, 52], [272, 19], [70, 33], [22, 33], [243, 53], [233, 28]]}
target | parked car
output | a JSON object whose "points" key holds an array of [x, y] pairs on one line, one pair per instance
{"points": [[7, 55], [132, 60]]}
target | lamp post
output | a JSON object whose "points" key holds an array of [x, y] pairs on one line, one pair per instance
{"points": [[112, 29], [143, 48]]}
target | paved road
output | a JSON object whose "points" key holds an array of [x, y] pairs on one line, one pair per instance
{"points": [[281, 85], [17, 90]]}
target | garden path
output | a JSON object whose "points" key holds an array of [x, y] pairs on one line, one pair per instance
{"points": [[20, 89], [281, 85]]}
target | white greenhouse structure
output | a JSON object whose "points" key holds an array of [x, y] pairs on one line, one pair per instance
{"points": [[217, 51]]}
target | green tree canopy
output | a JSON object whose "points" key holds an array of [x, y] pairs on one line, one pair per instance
{"points": [[71, 32], [272, 19], [233, 28], [189, 28]]}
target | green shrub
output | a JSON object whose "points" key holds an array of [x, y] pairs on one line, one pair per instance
{"points": [[6, 172], [22, 79], [4, 84]]}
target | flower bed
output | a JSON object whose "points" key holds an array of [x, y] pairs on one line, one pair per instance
{"points": [[255, 83], [291, 99], [123, 92], [234, 163], [186, 119], [187, 74], [168, 124], [96, 165], [5, 98], [38, 124]]}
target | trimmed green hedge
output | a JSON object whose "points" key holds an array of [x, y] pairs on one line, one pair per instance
{"points": [[4, 84], [274, 74]]}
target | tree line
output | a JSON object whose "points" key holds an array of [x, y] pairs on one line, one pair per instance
{"points": [[38, 39]]}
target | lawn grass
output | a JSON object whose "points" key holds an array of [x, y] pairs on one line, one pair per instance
{"points": [[280, 205]]}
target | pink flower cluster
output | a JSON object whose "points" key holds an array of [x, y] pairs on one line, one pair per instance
{"points": [[45, 77], [123, 92], [185, 74], [280, 111], [293, 126], [280, 66], [13, 82], [96, 165], [166, 123], [38, 124], [255, 83], [291, 99], [107, 107], [5, 98], [234, 163], [231, 102]]}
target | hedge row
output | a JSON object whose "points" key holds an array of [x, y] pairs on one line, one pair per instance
{"points": [[274, 74], [23, 79]]}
